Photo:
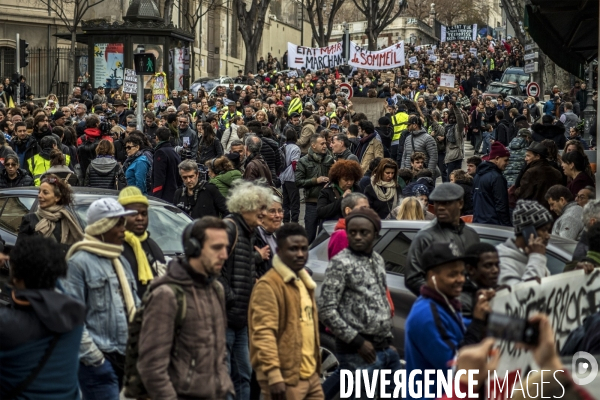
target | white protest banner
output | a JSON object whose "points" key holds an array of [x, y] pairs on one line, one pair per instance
{"points": [[391, 57], [473, 51], [566, 298], [292, 74], [412, 60], [418, 48], [130, 81], [433, 58], [461, 56], [453, 55], [315, 58], [430, 52], [413, 73], [447, 81], [459, 32]]}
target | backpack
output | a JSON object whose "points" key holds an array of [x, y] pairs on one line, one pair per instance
{"points": [[132, 381]]}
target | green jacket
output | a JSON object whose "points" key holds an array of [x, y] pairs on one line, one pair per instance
{"points": [[224, 181], [308, 169]]}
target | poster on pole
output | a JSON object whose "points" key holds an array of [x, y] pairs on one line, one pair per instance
{"points": [[458, 32], [160, 91], [179, 65], [412, 60], [391, 57], [130, 81], [315, 58], [108, 65], [447, 81], [413, 73]]}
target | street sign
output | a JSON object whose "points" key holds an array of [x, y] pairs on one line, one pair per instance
{"points": [[346, 88], [531, 68], [531, 56], [533, 89], [130, 81], [530, 46]]}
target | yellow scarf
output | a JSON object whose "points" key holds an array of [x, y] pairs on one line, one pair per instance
{"points": [[144, 271]]}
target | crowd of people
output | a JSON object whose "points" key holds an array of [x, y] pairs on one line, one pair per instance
{"points": [[237, 314]]}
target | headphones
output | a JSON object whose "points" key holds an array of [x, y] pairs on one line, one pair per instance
{"points": [[191, 246]]}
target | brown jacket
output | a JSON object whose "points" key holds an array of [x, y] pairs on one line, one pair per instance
{"points": [[256, 168], [274, 325], [309, 128], [196, 367], [537, 179]]}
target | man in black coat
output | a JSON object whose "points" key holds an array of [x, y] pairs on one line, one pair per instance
{"points": [[198, 198], [165, 167]]}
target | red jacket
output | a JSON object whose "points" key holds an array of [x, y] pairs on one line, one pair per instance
{"points": [[93, 134]]}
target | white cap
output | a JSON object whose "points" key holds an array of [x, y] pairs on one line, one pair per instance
{"points": [[106, 208]]}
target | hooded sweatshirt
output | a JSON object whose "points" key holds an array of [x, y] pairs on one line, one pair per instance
{"points": [[518, 266], [105, 173]]}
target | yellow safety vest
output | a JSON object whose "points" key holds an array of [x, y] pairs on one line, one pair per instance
{"points": [[226, 117], [38, 166], [295, 106], [400, 123], [331, 114], [492, 64]]}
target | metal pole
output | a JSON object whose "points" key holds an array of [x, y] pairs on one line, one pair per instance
{"points": [[18, 65]]}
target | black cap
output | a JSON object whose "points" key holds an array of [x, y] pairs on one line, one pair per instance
{"points": [[294, 115], [538, 148], [58, 115], [441, 253]]}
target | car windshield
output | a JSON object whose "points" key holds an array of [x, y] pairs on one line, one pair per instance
{"points": [[505, 90], [165, 226], [522, 80]]}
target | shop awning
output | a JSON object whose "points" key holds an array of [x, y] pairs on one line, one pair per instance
{"points": [[566, 31]]}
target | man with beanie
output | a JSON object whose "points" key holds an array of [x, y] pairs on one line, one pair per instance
{"points": [[143, 254], [523, 258], [539, 175], [446, 227], [490, 191], [435, 328], [100, 277], [188, 361], [353, 303]]}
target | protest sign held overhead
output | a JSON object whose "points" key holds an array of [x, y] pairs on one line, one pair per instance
{"points": [[432, 58], [391, 57], [447, 81], [413, 73], [130, 81], [412, 60], [315, 58], [459, 32]]}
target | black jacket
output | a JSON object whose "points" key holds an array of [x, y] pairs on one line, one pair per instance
{"points": [[490, 196], [468, 298], [382, 208], [555, 132], [207, 152], [238, 273], [329, 203], [23, 179], [270, 152], [207, 200], [25, 149], [87, 152], [27, 228], [153, 253], [503, 132], [165, 172], [468, 198], [105, 173]]}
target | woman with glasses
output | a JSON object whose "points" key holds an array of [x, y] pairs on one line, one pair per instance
{"points": [[13, 175], [137, 164], [53, 217]]}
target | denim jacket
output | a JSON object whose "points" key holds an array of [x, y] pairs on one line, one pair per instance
{"points": [[93, 280]]}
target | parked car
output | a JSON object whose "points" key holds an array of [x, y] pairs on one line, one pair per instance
{"points": [[209, 83], [496, 89], [516, 75], [166, 222], [393, 244]]}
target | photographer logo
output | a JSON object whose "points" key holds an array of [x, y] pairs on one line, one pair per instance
{"points": [[584, 368]]}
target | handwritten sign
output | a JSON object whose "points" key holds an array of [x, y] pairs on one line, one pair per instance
{"points": [[453, 55], [292, 74], [412, 73], [130, 81], [433, 58], [391, 57], [160, 91], [473, 51], [412, 60], [315, 58], [566, 298], [430, 52], [458, 32], [447, 80], [418, 48]]}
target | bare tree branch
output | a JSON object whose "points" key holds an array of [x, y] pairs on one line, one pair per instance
{"points": [[378, 17]]}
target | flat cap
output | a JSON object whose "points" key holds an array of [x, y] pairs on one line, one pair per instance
{"points": [[447, 192], [538, 148]]}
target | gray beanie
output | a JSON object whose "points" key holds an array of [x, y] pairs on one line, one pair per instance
{"points": [[530, 212]]}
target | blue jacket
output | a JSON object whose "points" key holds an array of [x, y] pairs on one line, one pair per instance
{"points": [[136, 173], [432, 336], [490, 196], [25, 334], [92, 280], [549, 107]]}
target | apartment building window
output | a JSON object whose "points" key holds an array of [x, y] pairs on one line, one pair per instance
{"points": [[7, 61]]}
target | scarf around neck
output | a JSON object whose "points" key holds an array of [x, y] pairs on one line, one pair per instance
{"points": [[112, 252], [70, 230], [390, 193], [144, 272]]}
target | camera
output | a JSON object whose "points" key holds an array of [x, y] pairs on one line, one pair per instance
{"points": [[513, 329], [104, 127]]}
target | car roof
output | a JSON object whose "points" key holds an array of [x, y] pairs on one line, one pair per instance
{"points": [[505, 84], [81, 193]]}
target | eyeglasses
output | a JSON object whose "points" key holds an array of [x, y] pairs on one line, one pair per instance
{"points": [[11, 165], [129, 147]]}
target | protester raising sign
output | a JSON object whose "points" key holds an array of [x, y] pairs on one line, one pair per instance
{"points": [[412, 60], [447, 80], [315, 58], [458, 32], [412, 73], [391, 57], [567, 299]]}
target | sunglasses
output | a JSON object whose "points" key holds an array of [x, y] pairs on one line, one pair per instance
{"points": [[130, 147], [49, 180], [10, 165]]}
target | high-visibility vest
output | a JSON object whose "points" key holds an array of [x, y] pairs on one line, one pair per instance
{"points": [[295, 106], [331, 114], [38, 166], [492, 64], [400, 123], [226, 117]]}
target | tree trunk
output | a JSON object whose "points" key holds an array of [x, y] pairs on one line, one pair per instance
{"points": [[372, 40], [72, 59], [251, 55]]}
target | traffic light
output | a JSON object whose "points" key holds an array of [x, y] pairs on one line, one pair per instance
{"points": [[23, 53], [145, 63]]}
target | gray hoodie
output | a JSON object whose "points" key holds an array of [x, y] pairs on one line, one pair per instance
{"points": [[516, 266]]}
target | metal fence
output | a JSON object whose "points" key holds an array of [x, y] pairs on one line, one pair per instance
{"points": [[48, 71]]}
